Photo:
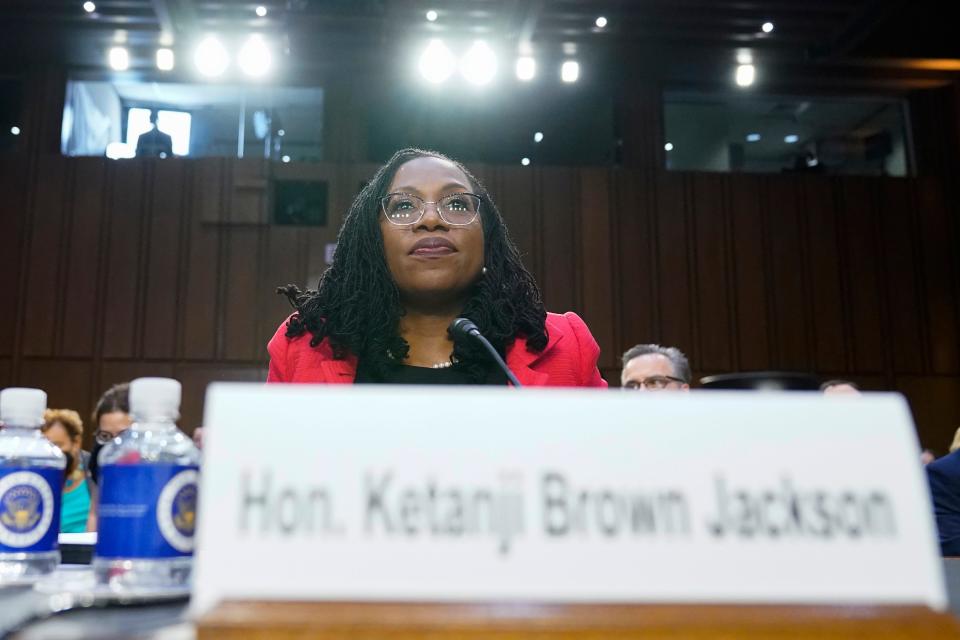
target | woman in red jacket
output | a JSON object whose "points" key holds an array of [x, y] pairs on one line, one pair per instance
{"points": [[424, 244]]}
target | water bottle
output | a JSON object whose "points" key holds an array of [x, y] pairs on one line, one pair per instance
{"points": [[31, 481], [148, 495]]}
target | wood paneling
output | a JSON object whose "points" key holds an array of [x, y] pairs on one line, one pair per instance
{"points": [[137, 267]]}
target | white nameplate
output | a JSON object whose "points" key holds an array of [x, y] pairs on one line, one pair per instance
{"points": [[453, 494]]}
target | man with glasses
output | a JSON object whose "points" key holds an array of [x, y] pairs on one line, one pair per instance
{"points": [[650, 367]]}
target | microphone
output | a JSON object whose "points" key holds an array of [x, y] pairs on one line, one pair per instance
{"points": [[465, 329]]}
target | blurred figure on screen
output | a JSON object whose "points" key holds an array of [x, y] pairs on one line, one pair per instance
{"points": [[650, 367], [64, 428], [840, 387], [154, 143], [422, 244]]}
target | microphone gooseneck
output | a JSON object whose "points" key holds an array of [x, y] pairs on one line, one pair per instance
{"points": [[465, 329]]}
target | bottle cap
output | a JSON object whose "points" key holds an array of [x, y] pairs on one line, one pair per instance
{"points": [[22, 407], [155, 397]]}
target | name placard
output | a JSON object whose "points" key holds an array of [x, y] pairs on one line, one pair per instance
{"points": [[457, 494]]}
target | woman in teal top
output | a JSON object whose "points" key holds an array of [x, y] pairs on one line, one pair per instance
{"points": [[64, 428]]}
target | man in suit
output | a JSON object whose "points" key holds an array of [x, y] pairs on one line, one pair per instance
{"points": [[154, 143], [944, 477]]}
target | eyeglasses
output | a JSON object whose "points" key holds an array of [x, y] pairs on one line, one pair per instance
{"points": [[403, 209], [653, 383], [103, 437]]}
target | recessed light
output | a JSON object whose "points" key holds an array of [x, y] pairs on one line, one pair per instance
{"points": [[538, 136], [525, 161], [791, 139], [767, 27], [668, 146], [753, 137], [89, 7], [15, 130], [261, 11], [432, 15], [601, 22]]}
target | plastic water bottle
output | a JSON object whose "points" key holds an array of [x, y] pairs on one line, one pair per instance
{"points": [[148, 495], [31, 481]]}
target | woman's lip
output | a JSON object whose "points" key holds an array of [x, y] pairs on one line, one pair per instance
{"points": [[432, 251]]}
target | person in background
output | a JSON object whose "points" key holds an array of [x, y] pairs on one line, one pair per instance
{"points": [[111, 417], [650, 367], [944, 477], [154, 143], [64, 428], [927, 456], [956, 441], [840, 387]]}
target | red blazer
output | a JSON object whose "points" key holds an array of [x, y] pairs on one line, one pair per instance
{"points": [[570, 359]]}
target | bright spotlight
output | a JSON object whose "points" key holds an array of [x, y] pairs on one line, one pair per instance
{"points": [[211, 57], [526, 68], [538, 136], [525, 161], [165, 59], [89, 7], [479, 64], [15, 130], [791, 139], [744, 56], [119, 58], [753, 137], [436, 62], [281, 132], [285, 159], [432, 15], [601, 22], [261, 11], [668, 146], [570, 71], [254, 57], [746, 74], [767, 27]]}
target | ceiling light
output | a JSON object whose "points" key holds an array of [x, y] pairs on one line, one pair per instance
{"points": [[525, 161], [753, 137], [538, 136], [479, 64], [285, 159], [211, 57], [436, 62], [432, 15], [746, 74], [261, 11], [601, 22], [15, 130], [668, 146], [254, 57], [526, 68], [744, 56], [767, 27], [89, 7], [119, 58], [281, 132], [165, 59], [570, 71], [791, 139]]}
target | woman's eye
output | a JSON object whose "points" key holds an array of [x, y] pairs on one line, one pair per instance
{"points": [[457, 205]]}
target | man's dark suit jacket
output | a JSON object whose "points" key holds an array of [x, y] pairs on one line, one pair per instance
{"points": [[944, 476]]}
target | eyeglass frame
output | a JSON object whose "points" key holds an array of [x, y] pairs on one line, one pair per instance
{"points": [[423, 208], [643, 383], [103, 437]]}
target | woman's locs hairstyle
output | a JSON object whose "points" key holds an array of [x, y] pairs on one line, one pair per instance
{"points": [[356, 305]]}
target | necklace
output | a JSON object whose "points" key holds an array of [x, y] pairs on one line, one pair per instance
{"points": [[436, 365]]}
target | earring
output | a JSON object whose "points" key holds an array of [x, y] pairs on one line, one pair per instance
{"points": [[483, 271]]}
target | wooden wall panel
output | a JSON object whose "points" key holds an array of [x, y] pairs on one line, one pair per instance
{"points": [[939, 292], [826, 275], [901, 276], [67, 382], [596, 273], [790, 308], [862, 267], [633, 242], [559, 200], [750, 274], [161, 284], [44, 257], [82, 251], [711, 273], [124, 254], [240, 295], [195, 379], [935, 402], [676, 315], [515, 200], [200, 299], [13, 216]]}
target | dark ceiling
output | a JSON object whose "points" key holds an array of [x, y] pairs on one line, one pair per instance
{"points": [[674, 39]]}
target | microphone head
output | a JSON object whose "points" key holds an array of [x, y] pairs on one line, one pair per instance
{"points": [[463, 328]]}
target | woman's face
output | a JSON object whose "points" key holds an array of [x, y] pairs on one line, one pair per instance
{"points": [[432, 262], [114, 423], [58, 435]]}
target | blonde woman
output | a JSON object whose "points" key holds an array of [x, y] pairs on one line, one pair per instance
{"points": [[64, 428]]}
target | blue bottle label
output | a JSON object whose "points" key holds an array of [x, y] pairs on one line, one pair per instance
{"points": [[29, 509], [147, 511]]}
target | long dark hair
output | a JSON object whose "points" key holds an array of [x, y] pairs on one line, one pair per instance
{"points": [[356, 305]]}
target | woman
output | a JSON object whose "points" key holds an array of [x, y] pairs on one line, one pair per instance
{"points": [[111, 417], [64, 428], [424, 244]]}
